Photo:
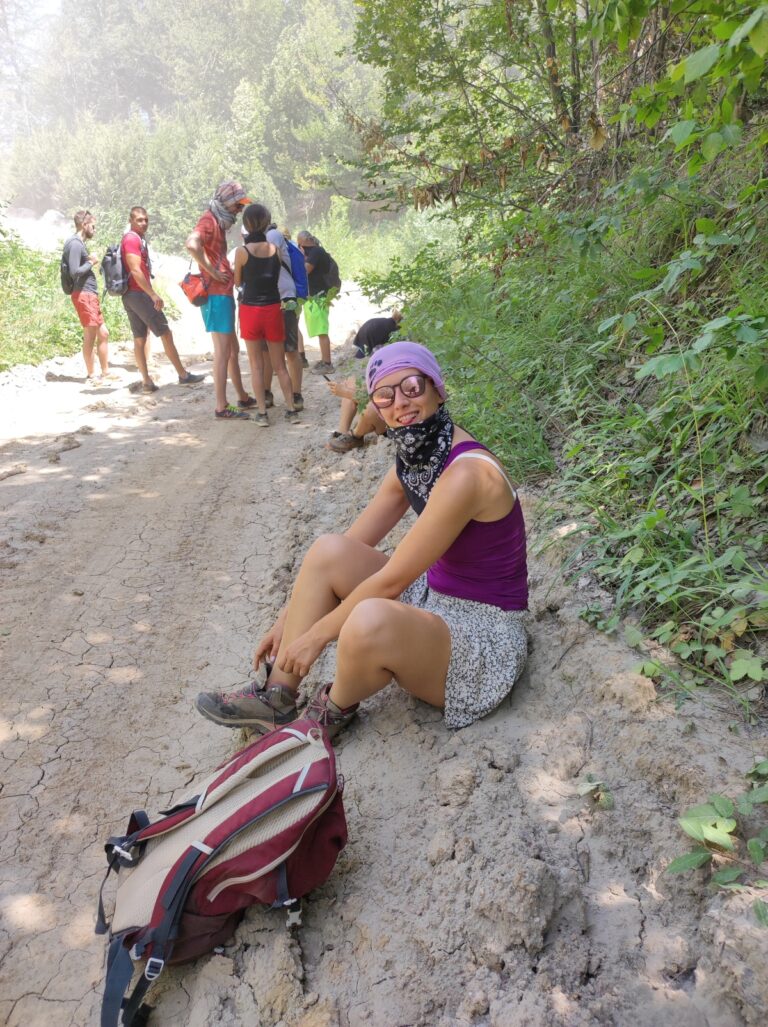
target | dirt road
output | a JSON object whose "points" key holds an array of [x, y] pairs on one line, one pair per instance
{"points": [[143, 548]]}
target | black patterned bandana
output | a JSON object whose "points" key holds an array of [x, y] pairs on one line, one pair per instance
{"points": [[422, 451]]}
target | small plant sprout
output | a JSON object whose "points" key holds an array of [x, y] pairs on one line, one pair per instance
{"points": [[734, 832]]}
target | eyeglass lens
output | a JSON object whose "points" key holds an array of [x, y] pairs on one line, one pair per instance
{"points": [[411, 387]]}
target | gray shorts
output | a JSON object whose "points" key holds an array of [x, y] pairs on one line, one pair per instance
{"points": [[142, 315], [489, 647]]}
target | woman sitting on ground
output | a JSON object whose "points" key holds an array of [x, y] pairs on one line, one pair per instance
{"points": [[442, 615]]}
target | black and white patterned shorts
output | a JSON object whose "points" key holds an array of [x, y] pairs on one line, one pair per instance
{"points": [[489, 647]]}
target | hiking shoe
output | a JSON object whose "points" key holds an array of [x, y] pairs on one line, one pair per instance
{"points": [[269, 399], [191, 379], [231, 414], [247, 403], [261, 419], [298, 401], [259, 707], [304, 361], [326, 712], [321, 367], [292, 415], [345, 443]]}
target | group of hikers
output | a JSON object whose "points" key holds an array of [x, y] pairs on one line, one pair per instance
{"points": [[443, 615], [269, 284]]}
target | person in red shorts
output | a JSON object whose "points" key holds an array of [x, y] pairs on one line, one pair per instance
{"points": [[85, 295], [257, 271]]}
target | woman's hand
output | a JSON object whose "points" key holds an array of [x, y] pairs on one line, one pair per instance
{"points": [[270, 643], [301, 654]]}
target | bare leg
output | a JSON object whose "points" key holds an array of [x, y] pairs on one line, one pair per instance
{"points": [[384, 639], [140, 355], [172, 353], [256, 363], [277, 359], [333, 567], [89, 336], [102, 344], [346, 415], [268, 369], [233, 365], [221, 355], [325, 348], [295, 370], [369, 421]]}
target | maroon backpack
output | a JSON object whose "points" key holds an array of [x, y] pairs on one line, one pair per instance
{"points": [[265, 828]]}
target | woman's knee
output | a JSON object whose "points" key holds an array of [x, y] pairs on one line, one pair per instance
{"points": [[326, 551], [370, 625]]}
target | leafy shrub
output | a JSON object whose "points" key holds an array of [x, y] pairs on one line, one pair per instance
{"points": [[37, 321]]}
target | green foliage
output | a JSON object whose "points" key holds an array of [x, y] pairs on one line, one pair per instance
{"points": [[724, 828], [117, 124], [170, 167], [630, 342], [37, 320], [597, 791]]}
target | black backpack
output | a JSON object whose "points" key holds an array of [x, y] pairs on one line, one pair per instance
{"points": [[115, 275], [332, 276], [67, 281]]}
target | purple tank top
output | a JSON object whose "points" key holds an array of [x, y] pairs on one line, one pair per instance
{"points": [[486, 563]]}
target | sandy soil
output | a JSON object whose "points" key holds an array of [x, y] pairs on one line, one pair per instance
{"points": [[143, 549]]}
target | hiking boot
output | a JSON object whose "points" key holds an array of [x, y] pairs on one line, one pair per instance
{"points": [[191, 379], [261, 419], [259, 707], [304, 361], [326, 712], [269, 399], [247, 403], [292, 416], [345, 443], [321, 367], [298, 401], [231, 414]]}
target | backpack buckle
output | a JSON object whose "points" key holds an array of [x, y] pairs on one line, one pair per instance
{"points": [[124, 854], [293, 913], [153, 968]]}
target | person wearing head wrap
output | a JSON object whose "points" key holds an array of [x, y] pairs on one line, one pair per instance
{"points": [[443, 615], [207, 244]]}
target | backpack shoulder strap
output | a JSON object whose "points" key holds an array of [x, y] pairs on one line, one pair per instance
{"points": [[473, 454]]}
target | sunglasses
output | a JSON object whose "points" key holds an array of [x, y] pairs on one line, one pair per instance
{"points": [[411, 386]]}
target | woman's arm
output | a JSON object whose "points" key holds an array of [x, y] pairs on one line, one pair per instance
{"points": [[454, 501], [239, 264]]}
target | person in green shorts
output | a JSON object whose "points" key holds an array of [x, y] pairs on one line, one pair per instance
{"points": [[318, 305]]}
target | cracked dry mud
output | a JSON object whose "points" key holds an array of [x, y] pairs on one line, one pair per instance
{"points": [[143, 548]]}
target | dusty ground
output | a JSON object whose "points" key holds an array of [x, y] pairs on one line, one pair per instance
{"points": [[143, 548]]}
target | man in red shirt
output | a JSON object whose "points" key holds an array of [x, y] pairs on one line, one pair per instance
{"points": [[208, 245], [144, 306]]}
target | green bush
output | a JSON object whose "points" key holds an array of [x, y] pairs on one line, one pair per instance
{"points": [[37, 321]]}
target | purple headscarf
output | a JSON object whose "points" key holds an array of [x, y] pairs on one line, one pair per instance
{"points": [[399, 355]]}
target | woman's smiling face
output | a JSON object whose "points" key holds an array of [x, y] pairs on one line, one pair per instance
{"points": [[407, 410]]}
